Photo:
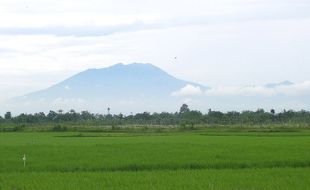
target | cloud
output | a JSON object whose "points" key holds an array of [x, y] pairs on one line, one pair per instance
{"points": [[188, 90], [85, 21], [295, 90], [85, 30], [104, 29], [298, 89], [44, 42], [240, 91]]}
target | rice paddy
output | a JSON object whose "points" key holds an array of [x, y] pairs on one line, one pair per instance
{"points": [[179, 160]]}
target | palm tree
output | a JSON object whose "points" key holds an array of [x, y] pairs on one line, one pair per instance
{"points": [[109, 111]]}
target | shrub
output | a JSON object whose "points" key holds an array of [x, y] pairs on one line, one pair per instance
{"points": [[59, 128]]}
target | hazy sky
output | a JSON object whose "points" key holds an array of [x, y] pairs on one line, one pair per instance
{"points": [[216, 42]]}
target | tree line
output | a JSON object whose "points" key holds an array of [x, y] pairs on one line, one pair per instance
{"points": [[184, 117]]}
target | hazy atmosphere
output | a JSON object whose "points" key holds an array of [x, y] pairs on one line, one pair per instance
{"points": [[233, 47], [154, 94]]}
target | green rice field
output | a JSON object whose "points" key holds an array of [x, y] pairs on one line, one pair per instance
{"points": [[170, 160]]}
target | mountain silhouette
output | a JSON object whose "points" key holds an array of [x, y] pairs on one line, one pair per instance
{"points": [[118, 81], [144, 86]]}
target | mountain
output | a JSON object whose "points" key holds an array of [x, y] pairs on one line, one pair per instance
{"points": [[118, 81], [142, 86]]}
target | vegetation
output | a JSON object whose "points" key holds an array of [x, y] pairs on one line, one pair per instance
{"points": [[207, 159], [182, 150], [184, 118]]}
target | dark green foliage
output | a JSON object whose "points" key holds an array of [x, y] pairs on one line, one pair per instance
{"points": [[59, 128], [184, 108], [8, 115], [185, 118], [190, 118], [19, 127]]}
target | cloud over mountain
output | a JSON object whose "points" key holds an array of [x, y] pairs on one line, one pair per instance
{"points": [[188, 90]]}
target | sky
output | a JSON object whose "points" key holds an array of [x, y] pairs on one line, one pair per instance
{"points": [[218, 43]]}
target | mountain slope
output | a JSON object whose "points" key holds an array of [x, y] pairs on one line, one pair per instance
{"points": [[144, 87], [114, 82], [120, 86]]}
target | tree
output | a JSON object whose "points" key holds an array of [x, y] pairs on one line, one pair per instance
{"points": [[215, 117], [86, 115], [8, 115], [272, 111], [52, 115], [72, 111], [191, 117], [109, 109], [184, 108]]}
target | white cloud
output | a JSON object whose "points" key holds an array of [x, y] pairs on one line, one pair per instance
{"points": [[240, 91], [295, 90], [216, 41], [95, 17], [188, 90], [298, 89]]}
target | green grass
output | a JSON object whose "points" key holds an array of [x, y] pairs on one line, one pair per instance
{"points": [[228, 179], [178, 160]]}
